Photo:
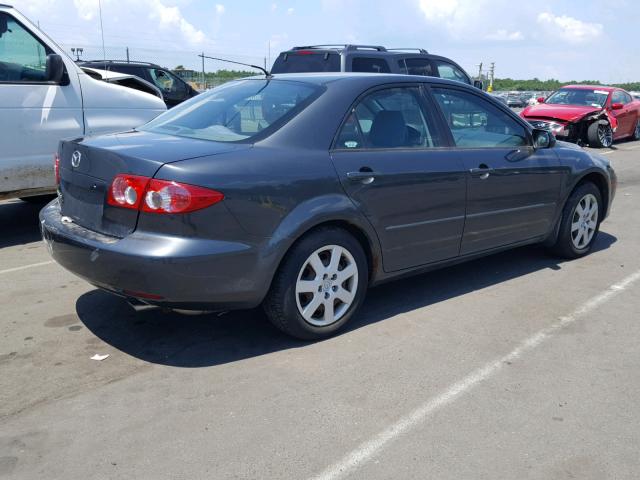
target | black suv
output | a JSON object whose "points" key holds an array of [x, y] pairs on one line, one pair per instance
{"points": [[368, 58], [174, 89]]}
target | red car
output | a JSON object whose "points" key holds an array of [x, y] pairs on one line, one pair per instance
{"points": [[587, 114]]}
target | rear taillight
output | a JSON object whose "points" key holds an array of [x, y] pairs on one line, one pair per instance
{"points": [[159, 196], [56, 168], [127, 191]]}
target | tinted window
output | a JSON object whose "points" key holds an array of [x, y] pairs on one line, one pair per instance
{"points": [[368, 64], [236, 111], [301, 62], [129, 70], [391, 118], [416, 66], [23, 58], [451, 72], [475, 123]]}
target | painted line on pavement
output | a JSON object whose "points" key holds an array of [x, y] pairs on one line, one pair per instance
{"points": [[24, 267], [374, 446]]}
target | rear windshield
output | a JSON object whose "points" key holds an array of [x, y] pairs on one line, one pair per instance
{"points": [[237, 111], [305, 62]]}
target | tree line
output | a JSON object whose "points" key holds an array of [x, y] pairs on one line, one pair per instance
{"points": [[552, 84]]}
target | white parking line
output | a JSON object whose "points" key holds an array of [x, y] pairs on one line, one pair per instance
{"points": [[369, 449], [24, 267]]}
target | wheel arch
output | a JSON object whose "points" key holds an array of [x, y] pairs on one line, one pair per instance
{"points": [[327, 211]]}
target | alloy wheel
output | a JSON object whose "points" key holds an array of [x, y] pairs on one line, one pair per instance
{"points": [[584, 221], [326, 286], [605, 135]]}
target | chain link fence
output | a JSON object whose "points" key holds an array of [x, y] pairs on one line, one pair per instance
{"points": [[186, 64]]}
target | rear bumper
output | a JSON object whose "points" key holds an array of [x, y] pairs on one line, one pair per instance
{"points": [[174, 272]]}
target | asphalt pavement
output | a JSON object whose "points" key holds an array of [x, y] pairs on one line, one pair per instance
{"points": [[514, 366]]}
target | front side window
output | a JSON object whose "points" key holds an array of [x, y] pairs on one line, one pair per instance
{"points": [[451, 72], [390, 118], [370, 64], [620, 97], [475, 123], [23, 58], [236, 111], [166, 81]]}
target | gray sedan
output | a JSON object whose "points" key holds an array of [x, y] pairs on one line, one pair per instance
{"points": [[297, 192]]}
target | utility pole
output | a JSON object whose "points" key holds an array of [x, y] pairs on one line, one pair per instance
{"points": [[128, 55], [492, 71], [204, 87], [480, 71]]}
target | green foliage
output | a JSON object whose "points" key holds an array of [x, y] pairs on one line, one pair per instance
{"points": [[551, 84]]}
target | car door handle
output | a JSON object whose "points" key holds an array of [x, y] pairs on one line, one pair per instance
{"points": [[365, 177], [482, 171]]}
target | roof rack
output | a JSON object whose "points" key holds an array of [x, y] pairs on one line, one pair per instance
{"points": [[407, 49], [344, 46], [116, 61]]}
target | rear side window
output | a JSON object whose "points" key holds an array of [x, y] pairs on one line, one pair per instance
{"points": [[369, 64], [236, 111], [475, 123], [389, 118], [451, 72], [305, 61], [416, 66]]}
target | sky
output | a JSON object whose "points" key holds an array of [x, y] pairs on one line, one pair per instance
{"points": [[561, 39]]}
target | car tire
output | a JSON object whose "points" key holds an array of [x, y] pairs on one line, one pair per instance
{"points": [[600, 135], [309, 304], [636, 131], [580, 222]]}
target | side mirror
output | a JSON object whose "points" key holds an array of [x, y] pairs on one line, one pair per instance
{"points": [[617, 106], [478, 84], [540, 99], [55, 68], [543, 138]]}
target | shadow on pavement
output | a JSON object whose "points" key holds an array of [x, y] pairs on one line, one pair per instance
{"points": [[212, 339], [19, 222]]}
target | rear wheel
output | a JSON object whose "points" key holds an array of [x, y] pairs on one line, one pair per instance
{"points": [[319, 286], [580, 222], [600, 135]]}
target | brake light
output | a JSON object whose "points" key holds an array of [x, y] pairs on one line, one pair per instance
{"points": [[173, 197], [127, 191], [56, 168], [159, 196], [304, 52]]}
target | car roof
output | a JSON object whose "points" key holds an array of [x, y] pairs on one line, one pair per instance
{"points": [[322, 78], [119, 62], [591, 87]]}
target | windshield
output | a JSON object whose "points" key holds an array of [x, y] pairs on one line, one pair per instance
{"points": [[579, 96], [237, 111]]}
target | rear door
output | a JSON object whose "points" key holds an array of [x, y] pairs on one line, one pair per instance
{"points": [[513, 190], [392, 160]]}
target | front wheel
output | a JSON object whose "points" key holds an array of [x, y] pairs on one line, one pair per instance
{"points": [[600, 135], [636, 131], [580, 222], [319, 286]]}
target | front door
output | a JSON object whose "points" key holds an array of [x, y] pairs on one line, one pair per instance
{"points": [[34, 114], [513, 189], [391, 161]]}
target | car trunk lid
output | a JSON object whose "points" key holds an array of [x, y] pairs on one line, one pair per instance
{"points": [[88, 166]]}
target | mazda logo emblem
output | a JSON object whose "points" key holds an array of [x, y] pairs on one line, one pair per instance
{"points": [[75, 159]]}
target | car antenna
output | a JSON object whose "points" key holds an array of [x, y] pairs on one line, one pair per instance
{"points": [[264, 70]]}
